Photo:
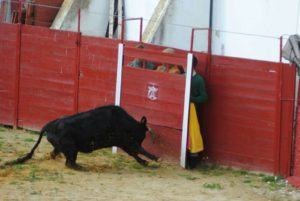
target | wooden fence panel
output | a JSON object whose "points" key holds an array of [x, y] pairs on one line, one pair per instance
{"points": [[47, 75], [8, 69]]}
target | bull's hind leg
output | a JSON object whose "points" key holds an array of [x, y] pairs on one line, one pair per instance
{"points": [[53, 141], [54, 153], [71, 156], [69, 149]]}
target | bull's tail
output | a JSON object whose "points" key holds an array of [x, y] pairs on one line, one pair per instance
{"points": [[27, 156]]}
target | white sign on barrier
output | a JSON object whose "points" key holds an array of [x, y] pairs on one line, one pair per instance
{"points": [[152, 91]]}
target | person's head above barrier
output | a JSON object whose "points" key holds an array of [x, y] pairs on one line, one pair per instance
{"points": [[194, 62], [141, 63], [170, 68], [140, 46], [169, 50]]}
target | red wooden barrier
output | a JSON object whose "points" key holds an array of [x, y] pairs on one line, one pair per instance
{"points": [[246, 122], [295, 179], [286, 120], [242, 125], [98, 62], [8, 62], [47, 75]]}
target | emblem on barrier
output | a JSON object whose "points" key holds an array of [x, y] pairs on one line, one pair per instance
{"points": [[152, 91]]}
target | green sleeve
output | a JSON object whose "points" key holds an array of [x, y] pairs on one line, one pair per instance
{"points": [[150, 65], [198, 90]]}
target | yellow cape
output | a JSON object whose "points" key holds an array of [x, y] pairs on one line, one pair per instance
{"points": [[195, 138]]}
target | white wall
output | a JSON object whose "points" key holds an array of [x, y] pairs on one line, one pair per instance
{"points": [[177, 24], [7, 17], [270, 18], [248, 29], [134, 9], [94, 17]]}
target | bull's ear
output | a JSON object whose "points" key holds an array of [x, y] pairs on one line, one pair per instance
{"points": [[144, 120]]}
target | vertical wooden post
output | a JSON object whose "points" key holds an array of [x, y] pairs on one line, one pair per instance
{"points": [[119, 80], [278, 122], [77, 66], [185, 119], [17, 71]]}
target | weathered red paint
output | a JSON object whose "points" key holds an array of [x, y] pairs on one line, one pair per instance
{"points": [[170, 95], [17, 75], [287, 112], [240, 120], [97, 72], [8, 58], [295, 178], [47, 75], [77, 65]]}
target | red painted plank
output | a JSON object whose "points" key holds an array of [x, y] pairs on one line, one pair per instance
{"points": [[8, 43], [98, 64], [167, 143], [242, 161], [161, 57], [170, 95], [96, 41], [242, 103], [47, 75]]}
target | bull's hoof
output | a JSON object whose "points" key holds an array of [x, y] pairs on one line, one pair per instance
{"points": [[144, 163], [154, 164], [54, 155], [76, 167], [159, 160]]}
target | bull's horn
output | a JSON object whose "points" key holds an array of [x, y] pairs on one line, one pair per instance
{"points": [[153, 135]]}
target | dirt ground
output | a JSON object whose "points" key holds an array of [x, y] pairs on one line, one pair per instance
{"points": [[118, 177]]}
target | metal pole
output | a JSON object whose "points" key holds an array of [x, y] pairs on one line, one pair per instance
{"points": [[141, 30], [280, 51], [79, 17], [141, 27], [192, 40], [193, 36], [122, 33], [278, 125]]}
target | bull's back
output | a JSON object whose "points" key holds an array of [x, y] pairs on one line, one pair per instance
{"points": [[102, 122]]}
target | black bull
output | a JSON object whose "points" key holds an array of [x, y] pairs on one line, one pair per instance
{"points": [[95, 129]]}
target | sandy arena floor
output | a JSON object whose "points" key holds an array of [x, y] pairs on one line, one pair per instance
{"points": [[118, 177]]}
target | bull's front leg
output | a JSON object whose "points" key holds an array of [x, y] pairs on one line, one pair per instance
{"points": [[140, 160], [133, 151], [147, 154]]}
